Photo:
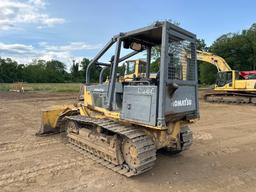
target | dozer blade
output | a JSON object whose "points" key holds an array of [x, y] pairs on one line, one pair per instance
{"points": [[53, 118]]}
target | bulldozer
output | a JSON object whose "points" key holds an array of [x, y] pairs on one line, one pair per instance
{"points": [[122, 122], [231, 86]]}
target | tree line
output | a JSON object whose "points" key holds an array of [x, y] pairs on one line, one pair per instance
{"points": [[40, 71], [238, 49]]}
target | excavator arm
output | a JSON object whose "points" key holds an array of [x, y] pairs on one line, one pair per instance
{"points": [[217, 61]]}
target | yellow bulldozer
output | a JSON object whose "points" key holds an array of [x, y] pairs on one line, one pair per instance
{"points": [[121, 123]]}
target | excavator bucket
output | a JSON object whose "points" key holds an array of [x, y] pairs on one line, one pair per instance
{"points": [[52, 118]]}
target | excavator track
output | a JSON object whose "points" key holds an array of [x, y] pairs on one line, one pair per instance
{"points": [[114, 158], [231, 98]]}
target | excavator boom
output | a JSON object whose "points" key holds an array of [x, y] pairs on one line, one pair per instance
{"points": [[216, 60]]}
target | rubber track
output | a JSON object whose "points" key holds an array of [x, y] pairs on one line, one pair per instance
{"points": [[145, 146]]}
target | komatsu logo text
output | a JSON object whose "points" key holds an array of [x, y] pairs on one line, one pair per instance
{"points": [[98, 90], [182, 103]]}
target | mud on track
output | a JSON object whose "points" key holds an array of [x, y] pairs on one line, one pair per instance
{"points": [[222, 157]]}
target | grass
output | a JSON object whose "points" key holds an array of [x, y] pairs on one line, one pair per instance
{"points": [[45, 87], [58, 87]]}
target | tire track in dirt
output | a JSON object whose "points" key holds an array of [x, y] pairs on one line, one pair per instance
{"points": [[32, 172], [8, 147], [80, 187], [10, 161], [30, 100], [229, 145], [226, 125]]}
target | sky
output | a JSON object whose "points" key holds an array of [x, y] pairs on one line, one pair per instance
{"points": [[67, 30]]}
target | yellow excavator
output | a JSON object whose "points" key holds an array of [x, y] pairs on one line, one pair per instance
{"points": [[231, 86], [122, 123]]}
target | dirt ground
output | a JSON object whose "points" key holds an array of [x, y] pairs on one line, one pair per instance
{"points": [[222, 157]]}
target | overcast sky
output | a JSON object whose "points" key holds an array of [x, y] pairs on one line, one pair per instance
{"points": [[73, 29]]}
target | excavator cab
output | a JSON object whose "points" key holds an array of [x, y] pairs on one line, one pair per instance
{"points": [[224, 78], [227, 78]]}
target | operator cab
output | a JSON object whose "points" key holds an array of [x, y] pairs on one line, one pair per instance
{"points": [[226, 78], [142, 96]]}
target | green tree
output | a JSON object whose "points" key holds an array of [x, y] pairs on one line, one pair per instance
{"points": [[155, 52], [94, 71], [55, 71], [201, 45], [206, 72], [9, 71], [238, 49], [75, 75], [35, 72]]}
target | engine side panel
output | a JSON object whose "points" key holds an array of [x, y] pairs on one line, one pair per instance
{"points": [[140, 104]]}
